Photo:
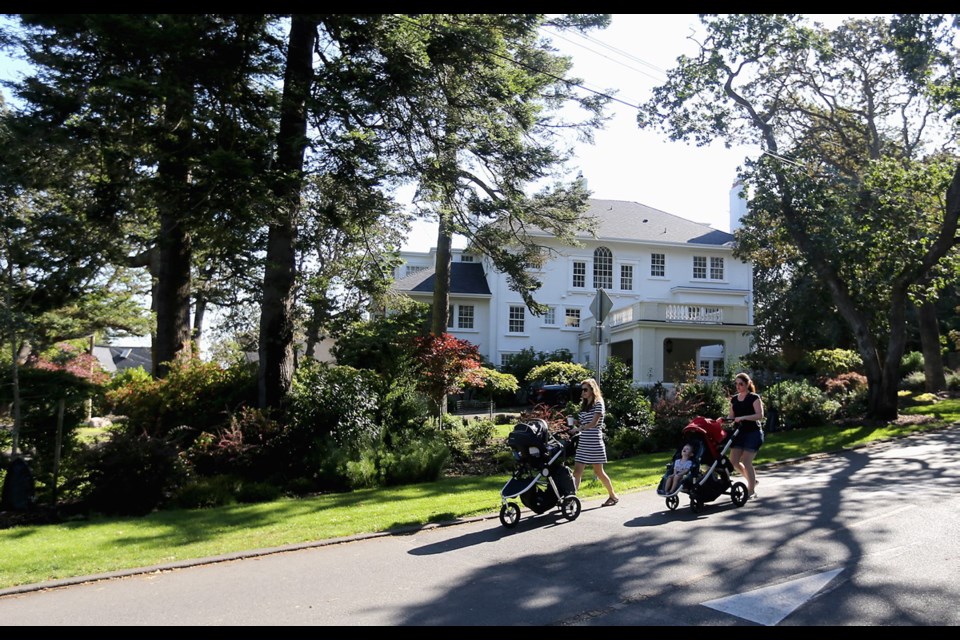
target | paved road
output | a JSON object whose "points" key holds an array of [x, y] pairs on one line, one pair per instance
{"points": [[866, 537]]}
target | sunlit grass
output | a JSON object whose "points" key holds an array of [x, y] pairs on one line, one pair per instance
{"points": [[33, 554]]}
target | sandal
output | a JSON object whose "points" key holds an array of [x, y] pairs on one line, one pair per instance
{"points": [[610, 502]]}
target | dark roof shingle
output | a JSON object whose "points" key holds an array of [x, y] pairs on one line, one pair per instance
{"points": [[465, 278]]}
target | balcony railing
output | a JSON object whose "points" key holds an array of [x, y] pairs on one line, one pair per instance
{"points": [[679, 313], [693, 313]]}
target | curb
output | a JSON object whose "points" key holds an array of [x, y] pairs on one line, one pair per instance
{"points": [[254, 553]]}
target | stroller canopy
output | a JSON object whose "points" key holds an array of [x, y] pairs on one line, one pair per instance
{"points": [[530, 438], [710, 431]]}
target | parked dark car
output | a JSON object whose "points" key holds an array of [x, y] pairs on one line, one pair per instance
{"points": [[553, 395]]}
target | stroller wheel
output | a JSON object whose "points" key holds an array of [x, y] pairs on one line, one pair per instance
{"points": [[510, 515], [696, 505], [673, 502], [571, 507], [738, 493]]}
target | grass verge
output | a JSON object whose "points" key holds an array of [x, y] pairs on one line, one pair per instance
{"points": [[36, 554]]}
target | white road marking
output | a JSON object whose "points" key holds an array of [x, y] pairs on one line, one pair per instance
{"points": [[770, 605]]}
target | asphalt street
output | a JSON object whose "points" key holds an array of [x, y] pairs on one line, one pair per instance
{"points": [[861, 537]]}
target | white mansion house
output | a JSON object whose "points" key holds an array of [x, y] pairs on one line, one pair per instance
{"points": [[678, 295]]}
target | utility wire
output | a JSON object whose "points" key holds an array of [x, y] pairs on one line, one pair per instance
{"points": [[527, 66]]}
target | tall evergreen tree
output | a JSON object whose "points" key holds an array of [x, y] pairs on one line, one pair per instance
{"points": [[173, 110]]}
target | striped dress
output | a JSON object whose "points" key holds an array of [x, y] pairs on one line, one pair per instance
{"points": [[591, 449]]}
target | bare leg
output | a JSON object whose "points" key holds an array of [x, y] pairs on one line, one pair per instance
{"points": [[743, 462], [578, 468], [746, 461], [605, 479]]}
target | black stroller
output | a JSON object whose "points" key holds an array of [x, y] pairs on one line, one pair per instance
{"points": [[541, 479], [709, 476]]}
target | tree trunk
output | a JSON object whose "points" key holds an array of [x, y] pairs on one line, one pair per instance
{"points": [[441, 292], [935, 378], [174, 245], [173, 294], [199, 311], [276, 315], [441, 278]]}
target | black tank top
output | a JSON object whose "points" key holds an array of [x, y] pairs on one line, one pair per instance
{"points": [[745, 408]]}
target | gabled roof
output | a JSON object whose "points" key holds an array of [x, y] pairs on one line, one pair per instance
{"points": [[632, 221], [465, 278]]}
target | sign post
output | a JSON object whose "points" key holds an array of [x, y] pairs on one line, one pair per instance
{"points": [[600, 308]]}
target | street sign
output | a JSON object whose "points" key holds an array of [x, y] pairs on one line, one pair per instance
{"points": [[601, 306], [596, 335]]}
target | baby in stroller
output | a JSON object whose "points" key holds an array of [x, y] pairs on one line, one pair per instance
{"points": [[708, 475], [681, 466], [541, 479]]}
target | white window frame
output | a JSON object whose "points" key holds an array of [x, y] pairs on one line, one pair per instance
{"points": [[658, 262], [471, 315], [626, 278], [699, 267], [569, 315], [602, 268], [516, 317], [716, 268], [708, 268], [579, 279], [550, 316]]}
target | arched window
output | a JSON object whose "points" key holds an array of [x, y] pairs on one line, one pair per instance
{"points": [[602, 268]]}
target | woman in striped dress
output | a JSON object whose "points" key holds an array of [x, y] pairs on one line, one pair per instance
{"points": [[591, 449]]}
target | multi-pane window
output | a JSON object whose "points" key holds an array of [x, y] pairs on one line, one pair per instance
{"points": [[579, 274], [700, 267], [465, 316], [571, 317], [716, 268], [412, 269], [466, 257], [626, 277], [550, 316], [515, 319], [463, 313], [658, 265], [505, 359], [602, 268], [711, 368]]}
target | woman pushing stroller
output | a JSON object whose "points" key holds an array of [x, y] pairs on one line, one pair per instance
{"points": [[746, 411], [591, 449]]}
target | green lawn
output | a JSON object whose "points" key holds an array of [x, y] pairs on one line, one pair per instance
{"points": [[33, 554]]}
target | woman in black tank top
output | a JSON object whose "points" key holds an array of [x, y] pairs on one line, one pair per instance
{"points": [[746, 410]]}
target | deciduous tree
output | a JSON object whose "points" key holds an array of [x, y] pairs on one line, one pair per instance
{"points": [[852, 171]]}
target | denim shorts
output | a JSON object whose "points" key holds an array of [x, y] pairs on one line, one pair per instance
{"points": [[748, 441]]}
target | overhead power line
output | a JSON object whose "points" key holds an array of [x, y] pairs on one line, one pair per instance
{"points": [[529, 67]]}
